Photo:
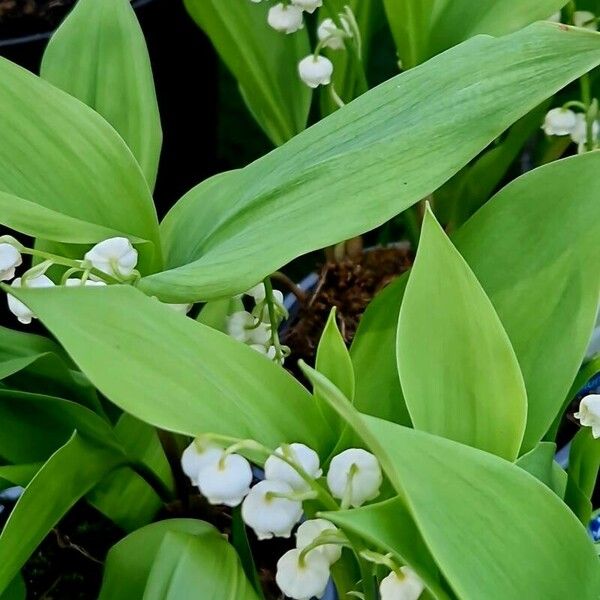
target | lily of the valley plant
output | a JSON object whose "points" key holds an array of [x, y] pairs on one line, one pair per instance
{"points": [[419, 463]]}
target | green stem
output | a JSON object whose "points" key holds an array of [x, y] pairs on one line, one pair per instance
{"points": [[273, 320]]}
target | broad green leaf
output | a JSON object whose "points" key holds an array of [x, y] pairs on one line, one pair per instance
{"points": [[458, 20], [173, 372], [461, 497], [66, 477], [536, 264], [378, 391], [539, 462], [99, 56], [124, 496], [60, 154], [129, 562], [333, 361], [584, 462], [187, 567], [19, 474], [362, 165], [390, 527], [410, 25], [264, 62], [19, 344], [16, 590], [459, 374], [214, 313], [239, 540], [36, 425]]}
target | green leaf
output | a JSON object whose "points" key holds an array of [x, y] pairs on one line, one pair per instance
{"points": [[129, 562], [36, 425], [171, 371], [19, 474], [56, 151], [99, 55], [458, 20], [16, 590], [362, 165], [239, 540], [123, 495], [539, 462], [461, 497], [187, 567], [584, 462], [390, 527], [66, 477], [333, 361], [537, 267], [459, 374], [264, 62]]}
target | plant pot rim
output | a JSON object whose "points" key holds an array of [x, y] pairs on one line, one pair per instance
{"points": [[45, 35]]}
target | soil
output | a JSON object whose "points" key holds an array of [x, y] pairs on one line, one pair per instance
{"points": [[26, 17], [349, 285]]}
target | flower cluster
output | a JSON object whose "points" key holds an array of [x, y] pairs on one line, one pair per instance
{"points": [[273, 506], [288, 17], [258, 328], [110, 261]]}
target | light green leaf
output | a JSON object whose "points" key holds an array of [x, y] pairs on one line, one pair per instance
{"points": [[187, 567], [29, 440], [458, 20], [123, 495], [264, 61], [539, 462], [461, 497], [536, 264], [175, 373], [459, 374], [60, 154], [66, 477], [584, 462], [365, 163], [333, 361], [99, 55]]}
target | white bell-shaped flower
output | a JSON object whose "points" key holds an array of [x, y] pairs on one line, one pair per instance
{"points": [[579, 131], [354, 474], [308, 6], [315, 70], [268, 351], [197, 456], [559, 121], [225, 480], [310, 530], [115, 256], [74, 282], [589, 413], [258, 292], [268, 514], [243, 327], [16, 307], [585, 19], [278, 470], [405, 585], [302, 578], [332, 37], [10, 259], [285, 18]]}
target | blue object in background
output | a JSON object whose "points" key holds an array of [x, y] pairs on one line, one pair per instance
{"points": [[594, 528]]}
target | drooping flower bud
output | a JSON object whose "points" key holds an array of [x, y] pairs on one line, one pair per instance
{"points": [[579, 132], [285, 18], [225, 480], [310, 530], [115, 257], [305, 457], [16, 307], [559, 121], [589, 413], [308, 6], [74, 282], [315, 70], [243, 327], [268, 514], [585, 19], [197, 456], [10, 259], [354, 475], [404, 585], [332, 37], [302, 578]]}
